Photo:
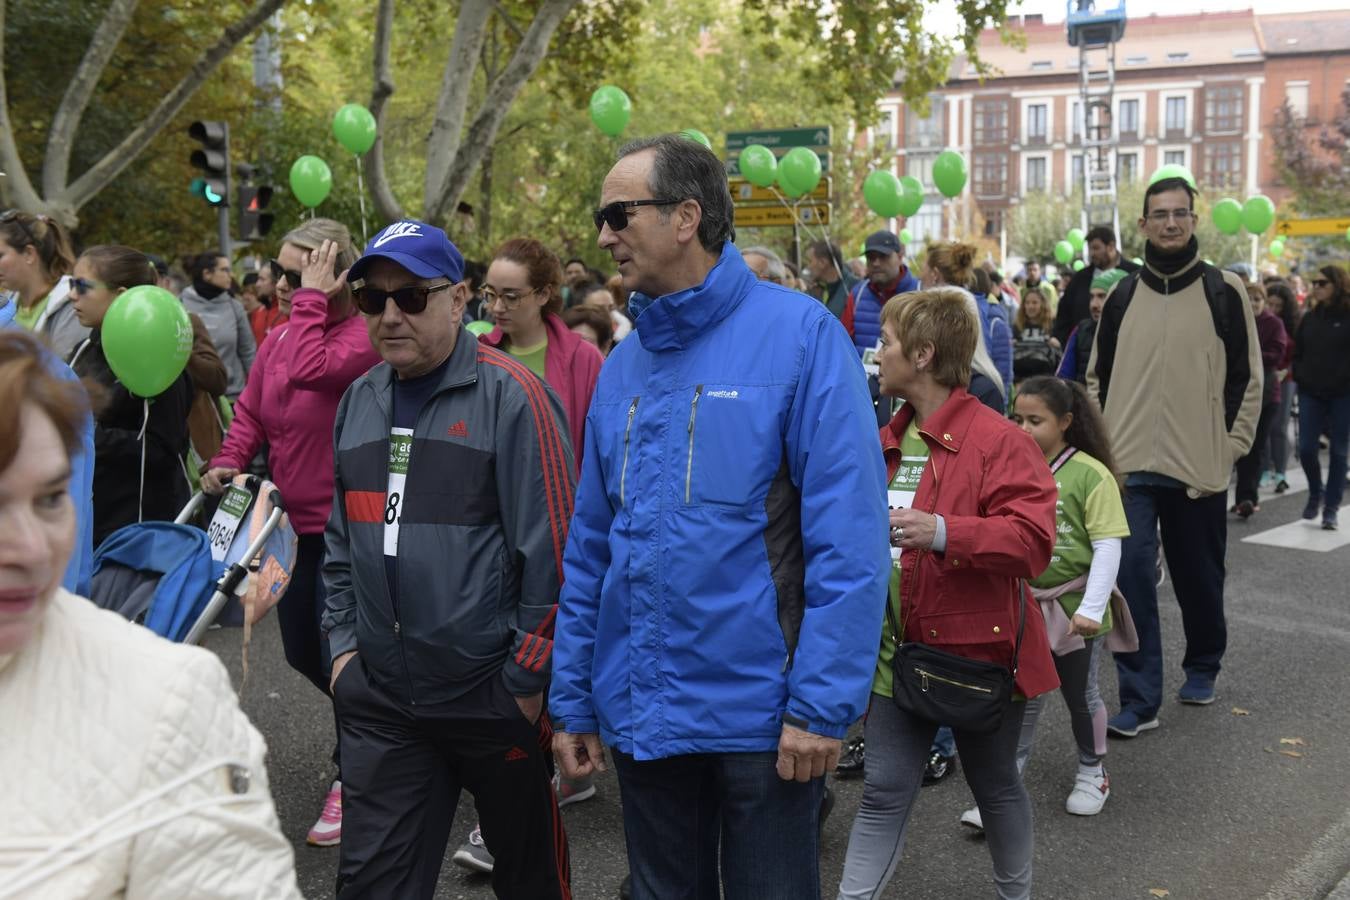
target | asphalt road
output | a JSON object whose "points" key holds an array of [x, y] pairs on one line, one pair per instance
{"points": [[1246, 798]]}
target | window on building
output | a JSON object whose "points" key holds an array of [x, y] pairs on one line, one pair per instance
{"points": [[1037, 123], [1042, 65], [1036, 174], [1174, 158], [1296, 95], [926, 224], [991, 174], [1127, 167], [1076, 118], [991, 121], [1223, 108], [920, 165], [993, 222], [1076, 171], [1128, 120], [924, 131], [1175, 117], [1223, 164], [883, 132], [1179, 56], [1137, 60]]}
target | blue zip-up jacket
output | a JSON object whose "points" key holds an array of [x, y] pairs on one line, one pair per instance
{"points": [[998, 337], [81, 566], [727, 561], [867, 306]]}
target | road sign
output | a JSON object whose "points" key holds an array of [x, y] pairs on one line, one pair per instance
{"points": [[816, 137], [734, 170], [743, 191], [768, 216], [1303, 227]]}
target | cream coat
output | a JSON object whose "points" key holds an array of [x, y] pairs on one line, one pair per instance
{"points": [[98, 715]]}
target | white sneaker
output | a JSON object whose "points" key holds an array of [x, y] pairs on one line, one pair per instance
{"points": [[473, 854], [1090, 790], [971, 819]]}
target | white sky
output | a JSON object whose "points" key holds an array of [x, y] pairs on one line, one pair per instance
{"points": [[944, 19]]}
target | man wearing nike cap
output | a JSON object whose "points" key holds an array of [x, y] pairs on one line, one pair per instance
{"points": [[453, 492]]}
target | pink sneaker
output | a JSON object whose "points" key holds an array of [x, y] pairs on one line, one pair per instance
{"points": [[327, 832]]}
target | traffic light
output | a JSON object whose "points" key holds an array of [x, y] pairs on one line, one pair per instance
{"points": [[254, 219], [213, 158]]}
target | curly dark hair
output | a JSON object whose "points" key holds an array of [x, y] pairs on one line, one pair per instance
{"points": [[1088, 431]]}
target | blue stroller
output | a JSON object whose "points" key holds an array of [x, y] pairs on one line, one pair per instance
{"points": [[176, 579]]}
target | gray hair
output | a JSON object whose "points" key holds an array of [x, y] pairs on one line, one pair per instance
{"points": [[687, 170], [775, 270]]}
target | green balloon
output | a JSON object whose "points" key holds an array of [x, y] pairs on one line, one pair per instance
{"points": [[1277, 249], [759, 165], [883, 193], [1172, 170], [1079, 265], [311, 180], [1227, 215], [698, 137], [610, 109], [1076, 239], [354, 127], [906, 236], [147, 338], [912, 197], [949, 173], [1063, 252], [479, 327], [1258, 213], [799, 172]]}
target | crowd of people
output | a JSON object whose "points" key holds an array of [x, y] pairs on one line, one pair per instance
{"points": [[696, 520]]}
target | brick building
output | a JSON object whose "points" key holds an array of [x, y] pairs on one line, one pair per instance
{"points": [[1200, 90]]}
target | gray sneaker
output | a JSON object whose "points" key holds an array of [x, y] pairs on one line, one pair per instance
{"points": [[473, 854]]}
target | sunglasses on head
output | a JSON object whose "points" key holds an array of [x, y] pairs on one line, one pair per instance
{"points": [[615, 214], [411, 299]]}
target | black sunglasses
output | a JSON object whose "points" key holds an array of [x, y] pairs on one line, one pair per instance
{"points": [[412, 299], [292, 278], [615, 214]]}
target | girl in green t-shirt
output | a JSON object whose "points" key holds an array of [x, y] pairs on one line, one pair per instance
{"points": [[1090, 523]]}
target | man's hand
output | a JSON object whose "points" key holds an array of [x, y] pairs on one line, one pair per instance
{"points": [[214, 480], [912, 529], [579, 755], [531, 706], [338, 665], [803, 755]]}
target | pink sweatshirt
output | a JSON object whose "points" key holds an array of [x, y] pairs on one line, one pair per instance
{"points": [[291, 399]]}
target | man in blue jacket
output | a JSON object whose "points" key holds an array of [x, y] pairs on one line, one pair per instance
{"points": [[726, 565]]}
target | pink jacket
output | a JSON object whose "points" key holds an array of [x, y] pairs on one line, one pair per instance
{"points": [[571, 367], [291, 399]]}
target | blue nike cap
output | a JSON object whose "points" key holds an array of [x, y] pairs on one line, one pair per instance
{"points": [[422, 249]]}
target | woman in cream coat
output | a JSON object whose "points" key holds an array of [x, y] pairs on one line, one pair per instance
{"points": [[127, 768]]}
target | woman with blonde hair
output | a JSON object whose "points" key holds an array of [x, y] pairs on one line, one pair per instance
{"points": [[303, 368], [953, 263]]}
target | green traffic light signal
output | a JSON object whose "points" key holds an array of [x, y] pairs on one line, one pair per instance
{"points": [[198, 187], [211, 196]]}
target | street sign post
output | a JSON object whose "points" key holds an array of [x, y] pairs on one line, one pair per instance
{"points": [[743, 191], [817, 137], [1309, 227], [757, 207], [767, 216]]}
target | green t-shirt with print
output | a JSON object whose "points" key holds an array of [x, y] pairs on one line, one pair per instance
{"points": [[534, 357], [900, 495], [1089, 509]]}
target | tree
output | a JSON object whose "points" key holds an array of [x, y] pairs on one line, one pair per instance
{"points": [[56, 193], [1316, 168]]}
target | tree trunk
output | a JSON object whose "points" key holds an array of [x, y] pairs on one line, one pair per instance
{"points": [[385, 202], [448, 127], [485, 201]]}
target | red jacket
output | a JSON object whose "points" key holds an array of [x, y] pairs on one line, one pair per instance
{"points": [[992, 486], [571, 368]]}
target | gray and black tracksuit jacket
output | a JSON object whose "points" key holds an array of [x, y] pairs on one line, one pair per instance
{"points": [[482, 524]]}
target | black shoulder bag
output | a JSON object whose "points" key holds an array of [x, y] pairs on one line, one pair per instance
{"points": [[966, 694]]}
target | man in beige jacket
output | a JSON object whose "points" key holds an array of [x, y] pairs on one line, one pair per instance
{"points": [[1176, 368]]}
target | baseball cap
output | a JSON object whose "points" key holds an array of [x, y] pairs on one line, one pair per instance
{"points": [[422, 249], [882, 242], [1104, 281]]}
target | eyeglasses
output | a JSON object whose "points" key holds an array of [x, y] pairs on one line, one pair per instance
{"points": [[292, 278], [1319, 282], [1159, 216], [510, 299], [411, 300], [82, 286], [16, 216], [615, 214]]}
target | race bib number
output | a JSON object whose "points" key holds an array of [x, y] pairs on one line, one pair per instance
{"points": [[400, 452], [903, 488], [225, 523]]}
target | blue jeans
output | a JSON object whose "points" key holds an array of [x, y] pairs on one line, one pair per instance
{"points": [[1194, 540], [676, 812], [944, 742], [1315, 416]]}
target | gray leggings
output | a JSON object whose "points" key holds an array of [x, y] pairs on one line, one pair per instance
{"points": [[897, 748], [1087, 713]]}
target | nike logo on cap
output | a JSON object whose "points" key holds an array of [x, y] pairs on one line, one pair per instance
{"points": [[398, 230]]}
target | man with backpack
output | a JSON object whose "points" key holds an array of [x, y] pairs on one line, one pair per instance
{"points": [[1176, 369]]}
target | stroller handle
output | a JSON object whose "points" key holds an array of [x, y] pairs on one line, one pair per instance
{"points": [[251, 482]]}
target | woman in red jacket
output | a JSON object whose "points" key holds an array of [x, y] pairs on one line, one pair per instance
{"points": [[290, 403], [972, 515], [522, 292]]}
